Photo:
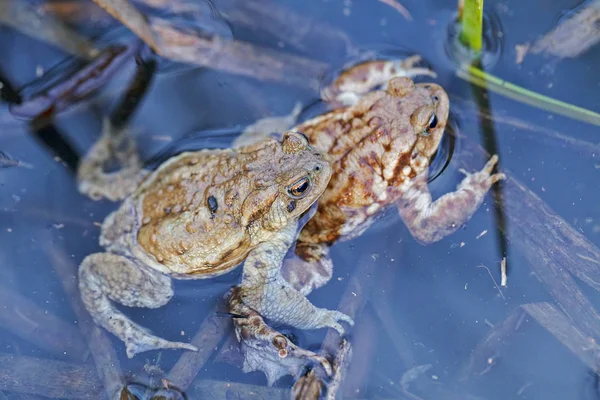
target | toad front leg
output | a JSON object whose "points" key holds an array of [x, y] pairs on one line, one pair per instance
{"points": [[430, 221], [104, 277], [264, 289]]}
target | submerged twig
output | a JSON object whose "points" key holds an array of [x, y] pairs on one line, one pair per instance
{"points": [[211, 333], [104, 355], [26, 320], [212, 389], [574, 35], [23, 17], [67, 91], [213, 51], [48, 378], [287, 26], [552, 247], [365, 344], [502, 335], [352, 304]]}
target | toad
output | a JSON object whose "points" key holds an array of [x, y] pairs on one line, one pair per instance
{"points": [[197, 216], [380, 143]]}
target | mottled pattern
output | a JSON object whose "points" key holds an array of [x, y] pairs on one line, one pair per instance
{"points": [[380, 143], [199, 215]]}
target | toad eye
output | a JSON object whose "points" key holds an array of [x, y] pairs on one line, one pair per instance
{"points": [[431, 124], [300, 188]]}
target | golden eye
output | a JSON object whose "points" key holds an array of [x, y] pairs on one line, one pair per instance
{"points": [[300, 188]]}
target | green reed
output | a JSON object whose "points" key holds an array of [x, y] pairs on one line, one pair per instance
{"points": [[470, 17]]}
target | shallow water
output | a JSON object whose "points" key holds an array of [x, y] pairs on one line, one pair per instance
{"points": [[429, 304]]}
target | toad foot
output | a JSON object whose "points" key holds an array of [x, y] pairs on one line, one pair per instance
{"points": [[267, 350]]}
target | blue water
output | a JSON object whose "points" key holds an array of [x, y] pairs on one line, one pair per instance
{"points": [[435, 297]]}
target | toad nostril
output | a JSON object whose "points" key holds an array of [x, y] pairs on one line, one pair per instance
{"points": [[435, 98]]}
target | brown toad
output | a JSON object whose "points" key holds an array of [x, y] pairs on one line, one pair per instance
{"points": [[380, 144], [199, 215]]}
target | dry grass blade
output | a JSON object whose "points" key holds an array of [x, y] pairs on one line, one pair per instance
{"points": [[494, 84], [226, 55], [131, 18], [25, 18]]}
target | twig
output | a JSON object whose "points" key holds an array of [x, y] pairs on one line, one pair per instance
{"points": [[503, 272], [502, 335], [552, 247], [211, 333], [352, 303], [122, 10], [226, 55], [287, 26], [212, 389], [365, 343], [48, 378], [72, 89], [572, 36], [28, 321], [21, 16], [104, 355], [493, 279]]}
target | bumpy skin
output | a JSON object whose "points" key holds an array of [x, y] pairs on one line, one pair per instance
{"points": [[380, 146], [199, 215], [380, 143]]}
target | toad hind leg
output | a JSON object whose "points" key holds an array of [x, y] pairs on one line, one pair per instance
{"points": [[310, 268], [430, 221], [356, 81], [264, 289], [95, 182], [104, 277]]}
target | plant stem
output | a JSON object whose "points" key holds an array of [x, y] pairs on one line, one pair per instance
{"points": [[470, 16]]}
